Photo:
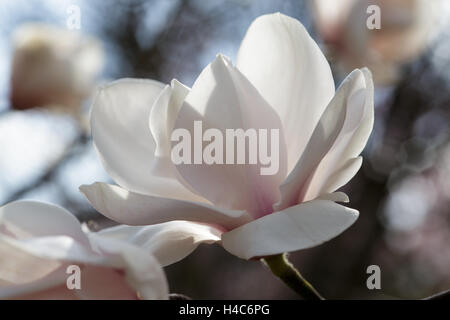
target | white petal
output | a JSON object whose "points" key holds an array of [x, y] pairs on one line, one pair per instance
{"points": [[222, 98], [143, 272], [97, 283], [18, 266], [28, 219], [36, 269], [302, 226], [28, 260], [162, 121], [47, 286], [163, 115], [341, 162], [364, 129], [38, 241], [119, 123], [289, 70], [335, 196], [169, 242], [342, 175], [324, 136], [132, 208]]}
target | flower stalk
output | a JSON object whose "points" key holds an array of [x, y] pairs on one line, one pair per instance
{"points": [[285, 270]]}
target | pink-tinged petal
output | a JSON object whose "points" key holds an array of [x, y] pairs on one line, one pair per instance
{"points": [[49, 285], [299, 227], [140, 268], [119, 123], [29, 219], [287, 67], [36, 269], [132, 208], [169, 242], [97, 283], [341, 162], [115, 284], [18, 266], [222, 98], [324, 136], [37, 243]]}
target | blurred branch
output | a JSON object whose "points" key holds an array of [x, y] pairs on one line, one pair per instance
{"points": [[144, 62], [152, 58]]}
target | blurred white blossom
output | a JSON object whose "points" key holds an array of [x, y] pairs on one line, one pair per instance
{"points": [[407, 28], [38, 242], [53, 67]]}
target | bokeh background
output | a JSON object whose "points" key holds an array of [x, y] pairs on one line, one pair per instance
{"points": [[49, 69]]}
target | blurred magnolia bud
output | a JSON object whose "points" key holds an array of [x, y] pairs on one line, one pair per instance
{"points": [[406, 28], [53, 67]]}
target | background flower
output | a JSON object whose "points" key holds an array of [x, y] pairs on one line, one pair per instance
{"points": [[36, 254], [53, 67], [407, 29]]}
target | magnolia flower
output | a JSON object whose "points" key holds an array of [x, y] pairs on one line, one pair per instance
{"points": [[281, 81], [52, 67], [406, 29], [41, 243]]}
